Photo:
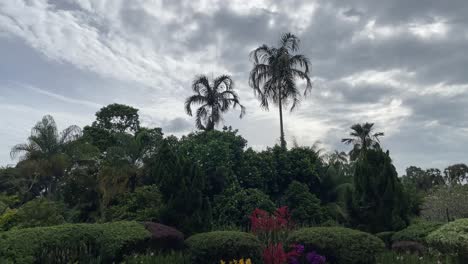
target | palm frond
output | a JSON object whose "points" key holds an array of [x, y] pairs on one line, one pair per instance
{"points": [[194, 99], [290, 42], [69, 134], [201, 85], [224, 80], [201, 116]]}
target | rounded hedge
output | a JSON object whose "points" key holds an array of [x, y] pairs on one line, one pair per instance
{"points": [[72, 243], [338, 244], [211, 247], [451, 238], [416, 232]]}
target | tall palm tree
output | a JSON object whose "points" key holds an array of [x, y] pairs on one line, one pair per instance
{"points": [[46, 153], [363, 138], [45, 141], [215, 98], [274, 74]]}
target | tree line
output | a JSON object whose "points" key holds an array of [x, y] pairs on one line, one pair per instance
{"points": [[117, 169]]}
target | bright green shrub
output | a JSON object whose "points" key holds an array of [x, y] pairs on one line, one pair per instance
{"points": [[211, 247], [8, 219], [451, 238], [141, 205], [386, 237], [416, 232], [39, 212], [71, 243], [338, 244]]}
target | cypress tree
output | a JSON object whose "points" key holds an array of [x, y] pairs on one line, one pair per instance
{"points": [[378, 201]]}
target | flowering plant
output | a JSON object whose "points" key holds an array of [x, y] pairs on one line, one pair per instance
{"points": [[271, 228], [235, 261]]}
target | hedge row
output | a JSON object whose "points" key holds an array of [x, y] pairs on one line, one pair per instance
{"points": [[416, 232], [82, 243], [211, 247], [338, 244]]}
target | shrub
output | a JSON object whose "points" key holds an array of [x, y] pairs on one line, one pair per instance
{"points": [[39, 212], [234, 206], [164, 237], [305, 206], [141, 205], [71, 243], [416, 232], [386, 237], [8, 219], [212, 247], [451, 238], [339, 244]]}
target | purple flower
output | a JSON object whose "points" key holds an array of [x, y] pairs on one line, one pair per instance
{"points": [[299, 248], [293, 260], [314, 258]]}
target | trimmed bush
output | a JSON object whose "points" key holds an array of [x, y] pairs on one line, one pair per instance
{"points": [[211, 247], [451, 238], [416, 232], [71, 243], [386, 237], [338, 244]]}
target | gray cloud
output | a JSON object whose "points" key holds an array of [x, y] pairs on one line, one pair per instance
{"points": [[397, 63]]}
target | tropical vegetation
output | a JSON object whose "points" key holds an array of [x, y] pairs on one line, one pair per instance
{"points": [[118, 191]]}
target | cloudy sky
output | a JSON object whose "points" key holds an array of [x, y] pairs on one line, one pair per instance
{"points": [[400, 64]]}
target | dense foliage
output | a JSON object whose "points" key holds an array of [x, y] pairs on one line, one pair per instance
{"points": [[451, 238], [116, 169], [338, 244]]}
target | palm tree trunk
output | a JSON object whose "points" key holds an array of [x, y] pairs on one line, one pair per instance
{"points": [[283, 142]]}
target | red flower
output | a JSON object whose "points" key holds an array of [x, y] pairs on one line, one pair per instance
{"points": [[274, 254]]}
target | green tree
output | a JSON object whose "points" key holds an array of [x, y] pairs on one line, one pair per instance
{"points": [[143, 204], [362, 139], [216, 153], [273, 77], [456, 174], [234, 206], [215, 99], [423, 180], [79, 191], [305, 206], [446, 203], [378, 202], [45, 154], [118, 118], [183, 186]]}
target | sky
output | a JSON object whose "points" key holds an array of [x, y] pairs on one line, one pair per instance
{"points": [[400, 64]]}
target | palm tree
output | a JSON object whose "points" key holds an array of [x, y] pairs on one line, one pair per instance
{"points": [[45, 141], [215, 98], [363, 138], [46, 149], [274, 73]]}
